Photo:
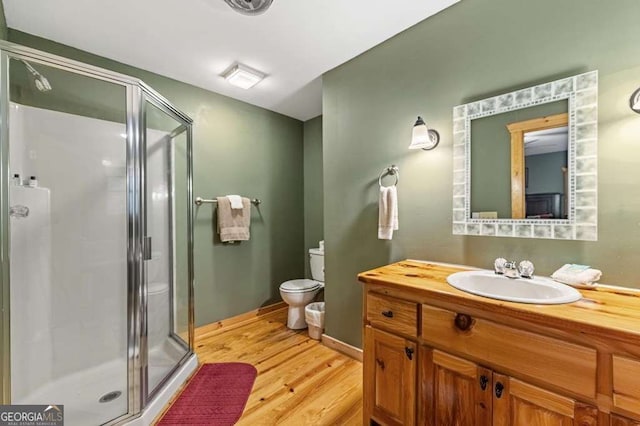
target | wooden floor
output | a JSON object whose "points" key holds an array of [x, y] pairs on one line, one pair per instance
{"points": [[300, 381]]}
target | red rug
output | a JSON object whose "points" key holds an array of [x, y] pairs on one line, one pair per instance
{"points": [[216, 395]]}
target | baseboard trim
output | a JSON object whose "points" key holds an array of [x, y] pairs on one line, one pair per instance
{"points": [[342, 347], [242, 319]]}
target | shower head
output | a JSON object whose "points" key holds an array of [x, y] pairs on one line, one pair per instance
{"points": [[249, 7], [41, 82]]}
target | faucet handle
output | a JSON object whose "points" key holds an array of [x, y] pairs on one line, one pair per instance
{"points": [[526, 269], [498, 265]]}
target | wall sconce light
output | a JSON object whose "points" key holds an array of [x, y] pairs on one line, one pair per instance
{"points": [[634, 102], [423, 137]]}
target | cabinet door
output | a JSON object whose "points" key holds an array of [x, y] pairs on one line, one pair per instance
{"points": [[389, 378], [623, 421], [517, 403], [454, 392]]}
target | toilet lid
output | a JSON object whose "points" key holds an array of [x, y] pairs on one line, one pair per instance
{"points": [[299, 285]]}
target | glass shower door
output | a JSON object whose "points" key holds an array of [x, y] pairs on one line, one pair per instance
{"points": [[68, 242], [167, 225]]}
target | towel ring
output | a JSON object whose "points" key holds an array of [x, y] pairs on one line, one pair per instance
{"points": [[392, 171]]}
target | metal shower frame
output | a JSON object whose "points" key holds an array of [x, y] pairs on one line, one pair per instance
{"points": [[137, 95]]}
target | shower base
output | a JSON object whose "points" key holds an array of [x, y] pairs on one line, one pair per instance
{"points": [[80, 392]]}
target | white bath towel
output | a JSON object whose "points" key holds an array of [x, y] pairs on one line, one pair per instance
{"points": [[233, 225], [236, 201], [388, 212]]}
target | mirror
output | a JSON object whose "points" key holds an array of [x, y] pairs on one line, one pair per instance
{"points": [[525, 162], [520, 166]]}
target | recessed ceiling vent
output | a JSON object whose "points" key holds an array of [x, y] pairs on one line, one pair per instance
{"points": [[249, 7]]}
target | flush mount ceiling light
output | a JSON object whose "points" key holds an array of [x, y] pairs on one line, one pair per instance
{"points": [[423, 137], [634, 102], [243, 76], [249, 7]]}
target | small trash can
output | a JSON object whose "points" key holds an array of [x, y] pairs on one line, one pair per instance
{"points": [[314, 315]]}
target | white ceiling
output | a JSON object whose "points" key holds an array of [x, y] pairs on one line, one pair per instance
{"points": [[194, 41], [546, 141]]}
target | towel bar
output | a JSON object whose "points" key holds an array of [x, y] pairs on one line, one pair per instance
{"points": [[200, 201], [392, 171]]}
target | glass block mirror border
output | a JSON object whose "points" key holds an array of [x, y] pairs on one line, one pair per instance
{"points": [[581, 92]]}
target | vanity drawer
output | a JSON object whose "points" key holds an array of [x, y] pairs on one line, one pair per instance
{"points": [[539, 358], [626, 383], [393, 314]]}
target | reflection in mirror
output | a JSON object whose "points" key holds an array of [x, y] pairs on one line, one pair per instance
{"points": [[525, 162], [517, 159], [545, 142]]}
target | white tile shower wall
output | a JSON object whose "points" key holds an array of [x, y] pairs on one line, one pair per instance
{"points": [[82, 161], [31, 291]]}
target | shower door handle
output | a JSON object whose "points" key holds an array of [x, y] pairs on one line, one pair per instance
{"points": [[146, 248]]}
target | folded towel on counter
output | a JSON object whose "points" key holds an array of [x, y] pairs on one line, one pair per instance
{"points": [[233, 224], [388, 212], [236, 201], [577, 275]]}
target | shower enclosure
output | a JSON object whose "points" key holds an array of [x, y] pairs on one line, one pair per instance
{"points": [[97, 245]]}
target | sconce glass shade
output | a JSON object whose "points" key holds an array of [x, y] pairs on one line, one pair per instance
{"points": [[423, 137], [634, 102]]}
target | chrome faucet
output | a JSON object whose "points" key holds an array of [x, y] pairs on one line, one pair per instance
{"points": [[512, 269]]}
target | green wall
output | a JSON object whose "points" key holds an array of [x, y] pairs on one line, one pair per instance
{"points": [[475, 49], [313, 193], [491, 156], [238, 149], [3, 23]]}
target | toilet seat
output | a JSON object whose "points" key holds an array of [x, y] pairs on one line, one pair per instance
{"points": [[300, 286]]}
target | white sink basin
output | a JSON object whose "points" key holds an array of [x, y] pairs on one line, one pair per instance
{"points": [[537, 290]]}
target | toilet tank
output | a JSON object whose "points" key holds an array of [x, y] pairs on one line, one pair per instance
{"points": [[316, 260]]}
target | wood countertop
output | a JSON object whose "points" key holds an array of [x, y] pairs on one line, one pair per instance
{"points": [[607, 312]]}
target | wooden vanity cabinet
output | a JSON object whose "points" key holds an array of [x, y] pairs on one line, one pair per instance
{"points": [[459, 392], [390, 361], [439, 357], [453, 391], [622, 421], [412, 379], [390, 366]]}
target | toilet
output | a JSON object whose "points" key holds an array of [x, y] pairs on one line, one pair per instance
{"points": [[157, 306], [299, 293], [158, 328]]}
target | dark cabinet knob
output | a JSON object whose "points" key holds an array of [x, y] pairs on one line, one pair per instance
{"points": [[380, 363], [463, 322], [409, 352], [484, 380], [499, 389], [388, 314]]}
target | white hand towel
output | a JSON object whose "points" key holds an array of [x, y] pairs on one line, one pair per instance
{"points": [[583, 278], [236, 201], [388, 212]]}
